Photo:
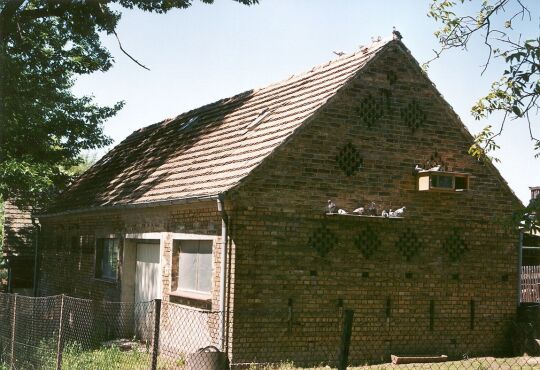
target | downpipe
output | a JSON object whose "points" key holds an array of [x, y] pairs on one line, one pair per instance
{"points": [[37, 230], [223, 267]]}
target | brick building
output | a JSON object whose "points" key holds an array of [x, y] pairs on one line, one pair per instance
{"points": [[255, 172]]}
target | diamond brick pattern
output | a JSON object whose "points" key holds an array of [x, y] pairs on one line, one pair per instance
{"points": [[367, 242], [455, 246], [413, 115], [370, 110], [349, 159], [323, 240], [408, 244]]}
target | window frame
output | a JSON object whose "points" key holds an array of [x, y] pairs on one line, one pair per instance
{"points": [[425, 181], [98, 255], [181, 291]]}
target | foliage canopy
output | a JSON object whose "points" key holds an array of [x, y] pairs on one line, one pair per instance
{"points": [[501, 27], [44, 127]]}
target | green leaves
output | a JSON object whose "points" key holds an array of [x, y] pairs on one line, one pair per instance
{"points": [[44, 128], [483, 144], [515, 94]]}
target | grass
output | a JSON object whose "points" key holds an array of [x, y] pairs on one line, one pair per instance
{"points": [[74, 357], [482, 363], [109, 358]]}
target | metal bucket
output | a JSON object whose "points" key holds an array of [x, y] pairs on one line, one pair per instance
{"points": [[207, 358]]}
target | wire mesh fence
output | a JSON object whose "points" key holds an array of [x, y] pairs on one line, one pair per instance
{"points": [[62, 332]]}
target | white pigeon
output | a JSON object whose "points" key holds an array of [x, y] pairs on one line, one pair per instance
{"points": [[331, 207], [435, 168], [418, 168], [385, 213], [399, 212], [359, 211], [342, 211]]}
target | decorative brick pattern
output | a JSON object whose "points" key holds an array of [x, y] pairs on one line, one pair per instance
{"points": [[367, 242], [413, 115], [455, 246], [408, 244], [323, 240], [370, 110], [349, 159]]}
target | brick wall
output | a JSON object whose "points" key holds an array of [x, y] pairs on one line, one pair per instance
{"points": [[279, 224], [68, 267]]}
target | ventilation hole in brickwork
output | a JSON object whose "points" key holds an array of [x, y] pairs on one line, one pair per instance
{"points": [[408, 275], [408, 244], [386, 95], [455, 246], [367, 242], [322, 240], [313, 273], [504, 277], [349, 160], [413, 115], [370, 110], [391, 76], [455, 277], [365, 274]]}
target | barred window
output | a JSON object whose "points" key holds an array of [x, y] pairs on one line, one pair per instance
{"points": [[107, 252]]}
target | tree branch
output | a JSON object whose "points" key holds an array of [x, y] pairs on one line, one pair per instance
{"points": [[125, 52]]}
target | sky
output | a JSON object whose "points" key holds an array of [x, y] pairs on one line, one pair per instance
{"points": [[208, 52]]}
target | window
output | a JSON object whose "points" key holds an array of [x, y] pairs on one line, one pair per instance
{"points": [[107, 251], [445, 181], [195, 266]]}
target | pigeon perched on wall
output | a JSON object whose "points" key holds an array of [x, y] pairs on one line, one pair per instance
{"points": [[396, 34], [418, 168], [372, 209], [385, 213], [435, 168], [399, 212], [339, 53], [342, 212], [359, 211], [331, 207]]}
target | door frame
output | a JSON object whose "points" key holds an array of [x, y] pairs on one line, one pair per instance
{"points": [[160, 265]]}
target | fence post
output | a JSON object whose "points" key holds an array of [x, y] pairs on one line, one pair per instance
{"points": [[60, 347], [13, 326], [155, 347], [343, 358]]}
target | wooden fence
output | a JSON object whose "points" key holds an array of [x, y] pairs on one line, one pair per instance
{"points": [[530, 284]]}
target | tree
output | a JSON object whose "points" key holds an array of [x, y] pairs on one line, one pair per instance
{"points": [[499, 24], [44, 127]]}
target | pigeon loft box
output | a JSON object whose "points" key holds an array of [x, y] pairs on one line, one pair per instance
{"points": [[442, 181]]}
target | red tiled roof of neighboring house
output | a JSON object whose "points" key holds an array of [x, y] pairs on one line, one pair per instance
{"points": [[210, 149]]}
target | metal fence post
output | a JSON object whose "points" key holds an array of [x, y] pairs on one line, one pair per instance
{"points": [[155, 347], [60, 347], [13, 326], [343, 357]]}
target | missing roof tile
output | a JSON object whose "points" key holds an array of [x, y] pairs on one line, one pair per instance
{"points": [[259, 119], [190, 122]]}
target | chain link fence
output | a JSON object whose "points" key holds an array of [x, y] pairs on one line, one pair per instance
{"points": [[62, 332]]}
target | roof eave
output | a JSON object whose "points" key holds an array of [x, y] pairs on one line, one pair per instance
{"points": [[160, 203]]}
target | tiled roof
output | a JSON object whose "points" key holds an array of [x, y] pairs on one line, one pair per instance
{"points": [[208, 150]]}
